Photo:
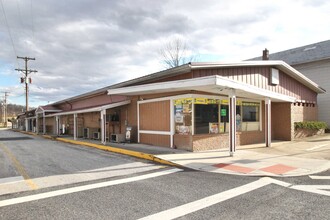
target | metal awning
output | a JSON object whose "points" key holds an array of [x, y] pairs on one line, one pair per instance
{"points": [[94, 109], [210, 84]]}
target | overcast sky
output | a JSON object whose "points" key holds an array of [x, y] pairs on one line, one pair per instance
{"points": [[83, 45]]}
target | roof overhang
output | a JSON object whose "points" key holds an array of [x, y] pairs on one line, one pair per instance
{"points": [[94, 109], [284, 67], [186, 68], [210, 84], [41, 109]]}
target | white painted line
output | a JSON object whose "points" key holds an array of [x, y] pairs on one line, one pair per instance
{"points": [[11, 179], [211, 200], [320, 177], [84, 188], [318, 189], [316, 147]]}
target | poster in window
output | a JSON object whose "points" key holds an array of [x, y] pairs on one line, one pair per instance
{"points": [[178, 109], [186, 108], [213, 128], [180, 129], [178, 118]]}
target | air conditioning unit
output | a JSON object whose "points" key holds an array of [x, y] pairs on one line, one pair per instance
{"points": [[96, 135], [117, 138], [86, 133]]}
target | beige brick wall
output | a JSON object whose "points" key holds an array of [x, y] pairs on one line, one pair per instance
{"points": [[215, 141], [183, 142], [210, 142], [281, 121], [302, 113], [251, 137]]}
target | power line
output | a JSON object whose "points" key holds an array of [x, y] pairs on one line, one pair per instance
{"points": [[11, 38], [32, 22], [19, 13]]}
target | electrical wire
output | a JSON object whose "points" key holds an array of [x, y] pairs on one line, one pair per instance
{"points": [[32, 21], [10, 35]]}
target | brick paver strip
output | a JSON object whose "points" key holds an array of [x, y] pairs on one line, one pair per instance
{"points": [[278, 169], [234, 168]]}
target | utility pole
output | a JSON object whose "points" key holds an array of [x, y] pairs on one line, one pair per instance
{"points": [[26, 80], [5, 108]]}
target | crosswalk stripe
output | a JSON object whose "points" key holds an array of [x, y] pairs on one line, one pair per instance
{"points": [[211, 200], [11, 179], [320, 177], [84, 188]]}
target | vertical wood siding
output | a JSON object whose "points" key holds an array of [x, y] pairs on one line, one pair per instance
{"points": [[155, 139], [259, 77], [155, 116]]}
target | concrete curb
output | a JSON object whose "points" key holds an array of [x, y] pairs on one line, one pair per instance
{"points": [[119, 151], [108, 148]]}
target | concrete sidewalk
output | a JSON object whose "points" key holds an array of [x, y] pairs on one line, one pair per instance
{"points": [[282, 159]]}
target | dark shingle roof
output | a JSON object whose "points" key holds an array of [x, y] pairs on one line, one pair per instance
{"points": [[305, 54]]}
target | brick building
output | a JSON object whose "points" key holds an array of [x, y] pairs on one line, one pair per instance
{"points": [[196, 106]]}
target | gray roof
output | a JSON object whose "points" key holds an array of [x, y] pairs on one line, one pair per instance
{"points": [[305, 54]]}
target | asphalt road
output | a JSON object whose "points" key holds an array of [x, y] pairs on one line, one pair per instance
{"points": [[44, 179]]}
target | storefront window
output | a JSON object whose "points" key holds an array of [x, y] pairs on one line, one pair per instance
{"points": [[224, 116], [212, 116], [183, 119], [251, 111], [206, 118], [251, 116]]}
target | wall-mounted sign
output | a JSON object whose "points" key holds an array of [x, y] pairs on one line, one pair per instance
{"points": [[183, 101], [201, 101], [226, 102], [205, 101]]}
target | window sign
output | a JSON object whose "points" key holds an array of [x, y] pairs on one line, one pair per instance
{"points": [[183, 101], [201, 101], [182, 117], [204, 101], [213, 128], [226, 102], [223, 112]]}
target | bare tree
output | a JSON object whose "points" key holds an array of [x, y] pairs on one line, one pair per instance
{"points": [[174, 53]]}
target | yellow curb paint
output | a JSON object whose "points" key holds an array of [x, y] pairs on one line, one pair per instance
{"points": [[121, 151], [111, 149], [47, 136], [19, 167]]}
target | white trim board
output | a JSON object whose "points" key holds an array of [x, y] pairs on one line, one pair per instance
{"points": [[95, 109], [211, 84]]}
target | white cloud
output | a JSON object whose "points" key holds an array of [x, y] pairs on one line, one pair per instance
{"points": [[84, 45]]}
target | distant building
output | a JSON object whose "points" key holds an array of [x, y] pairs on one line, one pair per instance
{"points": [[314, 62]]}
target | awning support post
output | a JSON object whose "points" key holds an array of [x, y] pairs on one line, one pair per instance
{"points": [[26, 124], [268, 122], [75, 126], [103, 127], [57, 119], [37, 123], [232, 122], [44, 123]]}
